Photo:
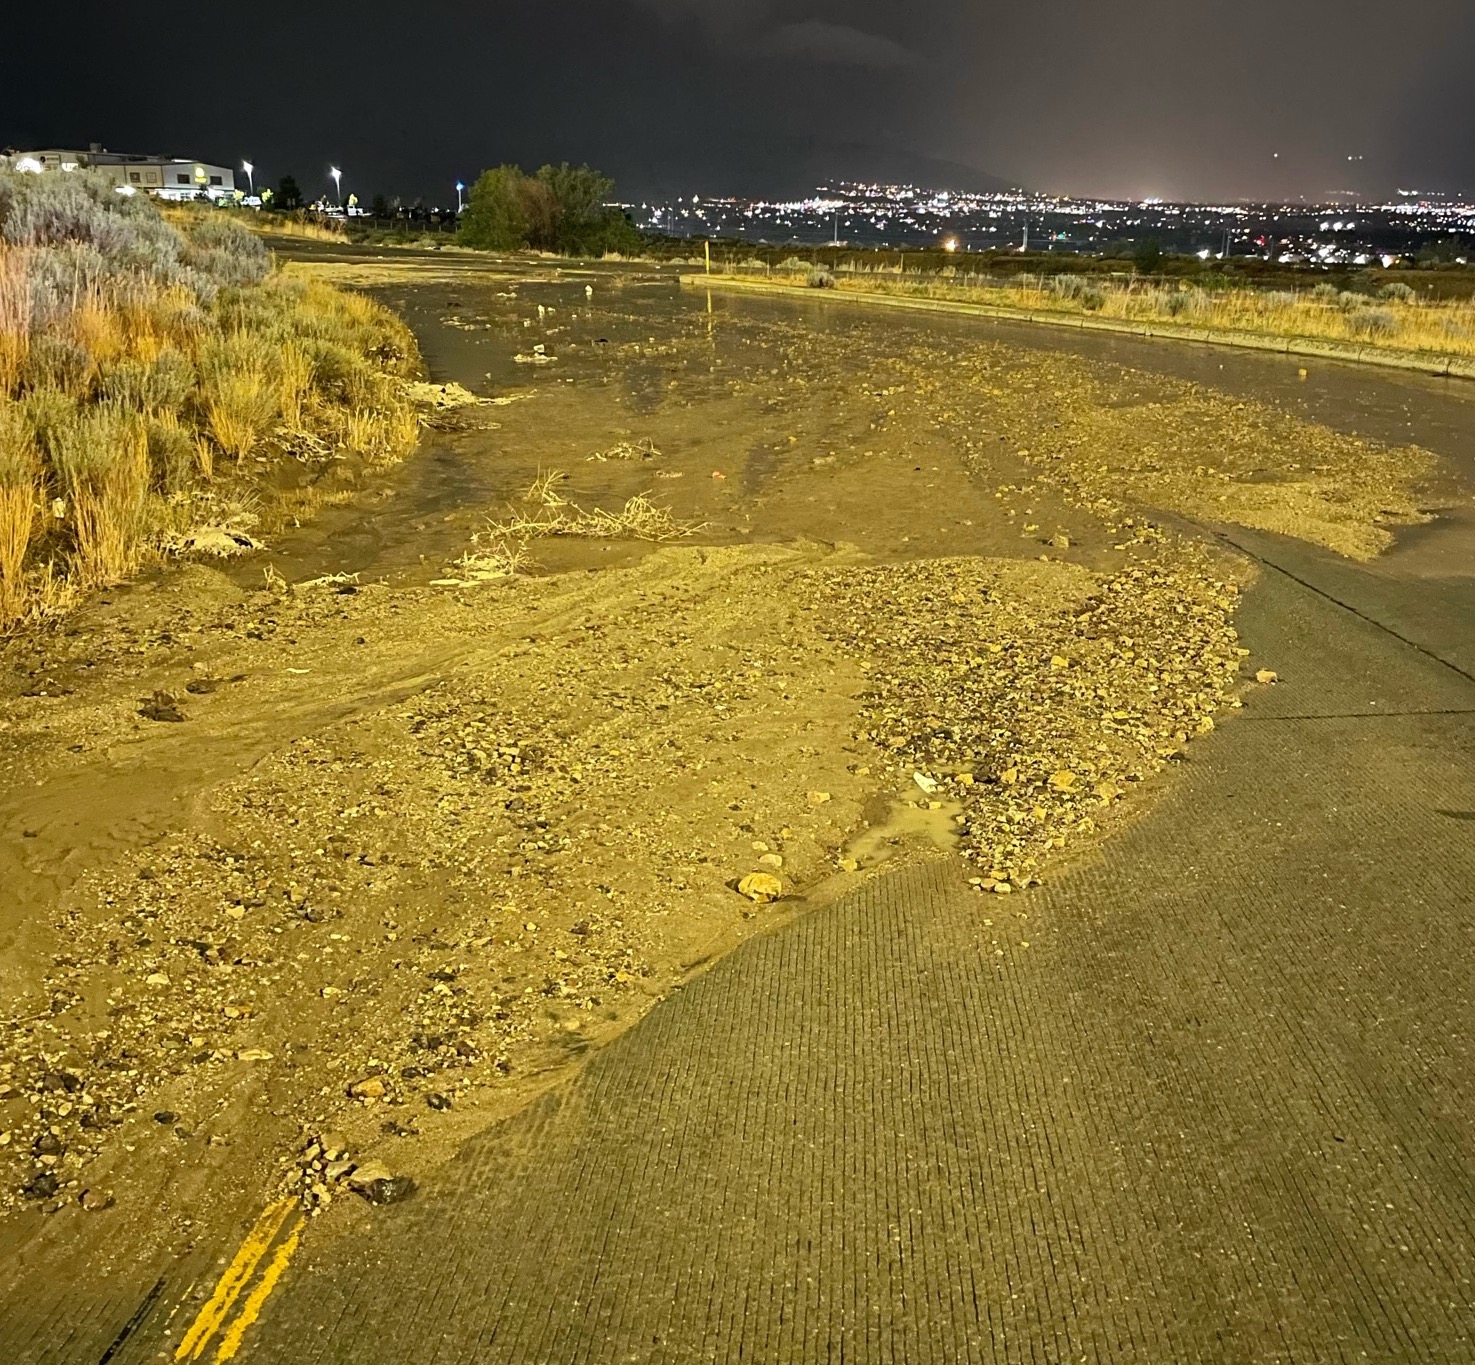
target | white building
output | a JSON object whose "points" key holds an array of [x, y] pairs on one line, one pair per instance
{"points": [[166, 176]]}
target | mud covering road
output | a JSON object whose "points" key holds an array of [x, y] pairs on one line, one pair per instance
{"points": [[421, 927], [1207, 1101]]}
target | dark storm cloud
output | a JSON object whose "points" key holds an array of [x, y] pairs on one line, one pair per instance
{"points": [[823, 40], [1154, 96], [838, 45]]}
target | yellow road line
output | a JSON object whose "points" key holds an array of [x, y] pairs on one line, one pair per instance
{"points": [[237, 1275], [251, 1309]]}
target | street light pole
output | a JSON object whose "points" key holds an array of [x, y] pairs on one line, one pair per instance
{"points": [[250, 176], [459, 188], [337, 184]]}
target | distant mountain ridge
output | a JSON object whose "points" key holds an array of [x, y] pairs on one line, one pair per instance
{"points": [[790, 167]]}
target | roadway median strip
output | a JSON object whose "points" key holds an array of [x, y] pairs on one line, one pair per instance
{"points": [[236, 1277]]}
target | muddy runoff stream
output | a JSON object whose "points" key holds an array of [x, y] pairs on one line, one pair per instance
{"points": [[319, 859]]}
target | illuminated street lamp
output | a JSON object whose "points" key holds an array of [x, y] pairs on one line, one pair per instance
{"points": [[459, 188], [250, 176], [337, 183]]}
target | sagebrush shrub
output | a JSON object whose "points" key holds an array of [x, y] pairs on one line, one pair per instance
{"points": [[134, 355], [227, 253], [1372, 322]]}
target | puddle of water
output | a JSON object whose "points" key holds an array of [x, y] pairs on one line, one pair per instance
{"points": [[1442, 548], [906, 823], [649, 359]]}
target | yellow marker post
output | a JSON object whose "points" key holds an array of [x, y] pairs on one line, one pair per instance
{"points": [[707, 252]]}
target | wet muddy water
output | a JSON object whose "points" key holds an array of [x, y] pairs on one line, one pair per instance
{"points": [[638, 357]]}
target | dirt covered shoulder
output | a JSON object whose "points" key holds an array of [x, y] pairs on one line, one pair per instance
{"points": [[524, 833], [374, 857]]}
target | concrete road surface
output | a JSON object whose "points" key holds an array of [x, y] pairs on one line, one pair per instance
{"points": [[1210, 1099]]}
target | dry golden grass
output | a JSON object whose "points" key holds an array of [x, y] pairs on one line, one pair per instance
{"points": [[305, 229], [401, 429], [96, 325], [20, 496], [382, 432], [1435, 327], [17, 523], [205, 458], [105, 463], [358, 307], [361, 430], [137, 391], [15, 318], [294, 383], [302, 224], [155, 320], [239, 406]]}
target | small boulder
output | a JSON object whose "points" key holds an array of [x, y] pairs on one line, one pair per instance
{"points": [[392, 1191], [761, 887], [333, 1144], [41, 1186], [368, 1173]]}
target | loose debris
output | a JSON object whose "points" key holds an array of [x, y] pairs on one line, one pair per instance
{"points": [[442, 397], [1035, 694], [161, 706], [545, 512], [397, 910], [644, 449], [220, 541], [455, 875], [491, 561]]}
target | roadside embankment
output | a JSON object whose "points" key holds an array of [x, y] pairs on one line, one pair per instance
{"points": [[1423, 362]]}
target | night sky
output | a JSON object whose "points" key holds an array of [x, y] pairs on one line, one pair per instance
{"points": [[1141, 97]]}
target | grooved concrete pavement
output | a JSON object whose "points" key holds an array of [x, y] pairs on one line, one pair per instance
{"points": [[1219, 1109]]}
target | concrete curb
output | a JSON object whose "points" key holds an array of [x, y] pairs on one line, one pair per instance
{"points": [[1450, 367]]}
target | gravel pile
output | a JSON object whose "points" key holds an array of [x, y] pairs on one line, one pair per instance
{"points": [[1034, 694]]}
